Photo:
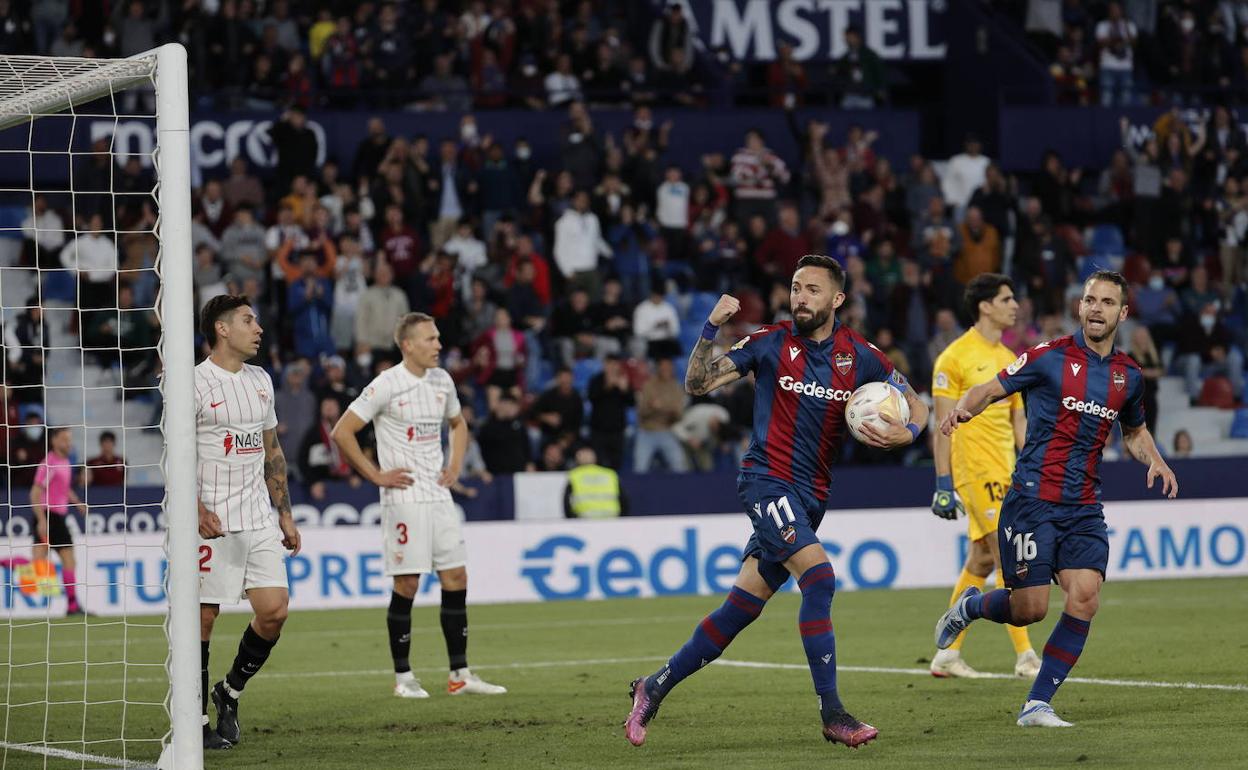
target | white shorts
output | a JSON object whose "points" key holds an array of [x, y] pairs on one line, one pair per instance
{"points": [[231, 566], [418, 538]]}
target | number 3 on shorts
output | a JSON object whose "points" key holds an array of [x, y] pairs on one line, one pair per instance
{"points": [[1024, 546], [402, 528]]}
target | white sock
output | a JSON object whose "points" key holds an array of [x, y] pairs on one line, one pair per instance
{"points": [[235, 694]]}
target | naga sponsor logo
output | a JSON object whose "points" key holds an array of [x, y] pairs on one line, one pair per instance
{"points": [[243, 443], [1090, 407], [812, 389]]}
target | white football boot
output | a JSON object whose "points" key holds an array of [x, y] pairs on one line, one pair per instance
{"points": [[406, 685], [464, 682], [949, 663], [1037, 713], [1028, 665]]}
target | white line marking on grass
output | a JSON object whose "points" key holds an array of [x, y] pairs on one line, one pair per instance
{"points": [[985, 675], [48, 751], [652, 659]]}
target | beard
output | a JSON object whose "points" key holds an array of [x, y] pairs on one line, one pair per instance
{"points": [[1107, 331], [817, 318]]}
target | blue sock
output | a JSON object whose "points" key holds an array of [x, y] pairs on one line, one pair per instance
{"points": [[994, 606], [814, 621], [713, 634], [1060, 655]]}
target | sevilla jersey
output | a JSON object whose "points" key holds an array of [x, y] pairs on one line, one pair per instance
{"points": [[1073, 397], [801, 388], [232, 411], [407, 413]]}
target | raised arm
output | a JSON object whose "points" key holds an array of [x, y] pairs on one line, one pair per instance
{"points": [[705, 374], [1139, 444], [975, 401], [279, 490]]}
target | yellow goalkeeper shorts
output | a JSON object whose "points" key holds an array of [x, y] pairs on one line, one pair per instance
{"points": [[982, 500]]}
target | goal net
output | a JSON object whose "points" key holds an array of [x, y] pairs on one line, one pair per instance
{"points": [[99, 642]]}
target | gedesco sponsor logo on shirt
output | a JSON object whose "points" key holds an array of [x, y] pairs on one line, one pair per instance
{"points": [[1090, 407], [813, 389]]}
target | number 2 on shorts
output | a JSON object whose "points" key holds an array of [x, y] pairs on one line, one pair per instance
{"points": [[205, 556]]}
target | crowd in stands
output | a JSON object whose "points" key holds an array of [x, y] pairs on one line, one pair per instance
{"points": [[437, 54], [1127, 52]]}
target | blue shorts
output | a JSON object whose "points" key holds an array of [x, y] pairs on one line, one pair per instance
{"points": [[1039, 539], [784, 519]]}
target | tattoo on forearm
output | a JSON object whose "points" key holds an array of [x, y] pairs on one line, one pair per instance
{"points": [[702, 371], [275, 477]]}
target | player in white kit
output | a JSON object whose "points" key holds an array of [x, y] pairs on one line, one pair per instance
{"points": [[241, 468], [421, 530]]}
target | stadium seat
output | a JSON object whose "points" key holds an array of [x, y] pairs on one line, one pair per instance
{"points": [[1239, 426], [583, 371], [1106, 240], [1217, 392], [59, 285]]}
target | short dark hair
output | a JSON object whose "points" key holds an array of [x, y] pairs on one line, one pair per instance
{"points": [[827, 263], [983, 288], [108, 435], [1110, 276], [55, 431], [216, 309]]}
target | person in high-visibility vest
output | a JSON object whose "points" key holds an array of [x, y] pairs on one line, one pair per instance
{"points": [[593, 491]]}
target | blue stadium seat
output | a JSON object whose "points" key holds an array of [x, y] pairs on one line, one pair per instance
{"points": [[11, 221], [59, 285], [583, 371], [1107, 240]]}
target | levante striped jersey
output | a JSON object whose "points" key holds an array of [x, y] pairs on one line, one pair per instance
{"points": [[800, 392], [1073, 396]]}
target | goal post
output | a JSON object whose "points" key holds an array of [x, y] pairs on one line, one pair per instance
{"points": [[119, 662]]}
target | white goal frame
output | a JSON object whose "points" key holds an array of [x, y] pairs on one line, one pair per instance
{"points": [[58, 92]]}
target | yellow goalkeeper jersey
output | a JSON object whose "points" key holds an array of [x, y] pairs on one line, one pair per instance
{"points": [[984, 447]]}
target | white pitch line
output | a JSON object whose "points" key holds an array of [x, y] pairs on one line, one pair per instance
{"points": [[74, 755], [653, 659], [984, 675]]}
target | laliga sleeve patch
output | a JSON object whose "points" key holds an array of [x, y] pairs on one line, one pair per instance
{"points": [[942, 380], [1019, 363], [898, 381], [741, 343], [368, 393]]}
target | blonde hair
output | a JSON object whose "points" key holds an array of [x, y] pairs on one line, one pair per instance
{"points": [[406, 322]]}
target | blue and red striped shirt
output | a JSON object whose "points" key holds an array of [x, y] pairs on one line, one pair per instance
{"points": [[1073, 397], [800, 391]]}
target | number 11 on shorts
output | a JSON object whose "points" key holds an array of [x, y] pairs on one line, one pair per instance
{"points": [[775, 508], [1024, 546]]}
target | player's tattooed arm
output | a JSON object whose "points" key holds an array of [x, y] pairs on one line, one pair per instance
{"points": [[705, 374], [1139, 444], [275, 473], [279, 490]]}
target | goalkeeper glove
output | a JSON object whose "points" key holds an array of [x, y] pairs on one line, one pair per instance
{"points": [[945, 502]]}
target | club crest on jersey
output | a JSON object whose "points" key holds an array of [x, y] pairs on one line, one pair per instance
{"points": [[1019, 363], [263, 394], [843, 362], [789, 535], [440, 397], [1120, 380], [242, 443]]}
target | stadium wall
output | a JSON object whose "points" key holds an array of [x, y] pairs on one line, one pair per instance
{"points": [[516, 561]]}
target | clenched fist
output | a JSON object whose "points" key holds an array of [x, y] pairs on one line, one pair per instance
{"points": [[726, 308]]}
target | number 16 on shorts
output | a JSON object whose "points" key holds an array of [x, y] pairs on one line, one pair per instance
{"points": [[1024, 547]]}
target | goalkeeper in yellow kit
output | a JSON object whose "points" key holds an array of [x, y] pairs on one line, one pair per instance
{"points": [[974, 465]]}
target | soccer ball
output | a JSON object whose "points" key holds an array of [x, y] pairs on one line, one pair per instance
{"points": [[872, 400]]}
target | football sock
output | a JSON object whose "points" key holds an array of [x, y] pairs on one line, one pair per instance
{"points": [[253, 651], [399, 625], [1018, 634], [71, 588], [203, 678], [994, 606], [965, 581], [454, 617], [1060, 656], [712, 635], [814, 621]]}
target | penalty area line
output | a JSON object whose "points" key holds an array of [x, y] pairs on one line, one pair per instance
{"points": [[75, 756], [984, 675]]}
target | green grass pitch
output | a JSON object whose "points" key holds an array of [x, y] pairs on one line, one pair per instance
{"points": [[323, 700]]}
